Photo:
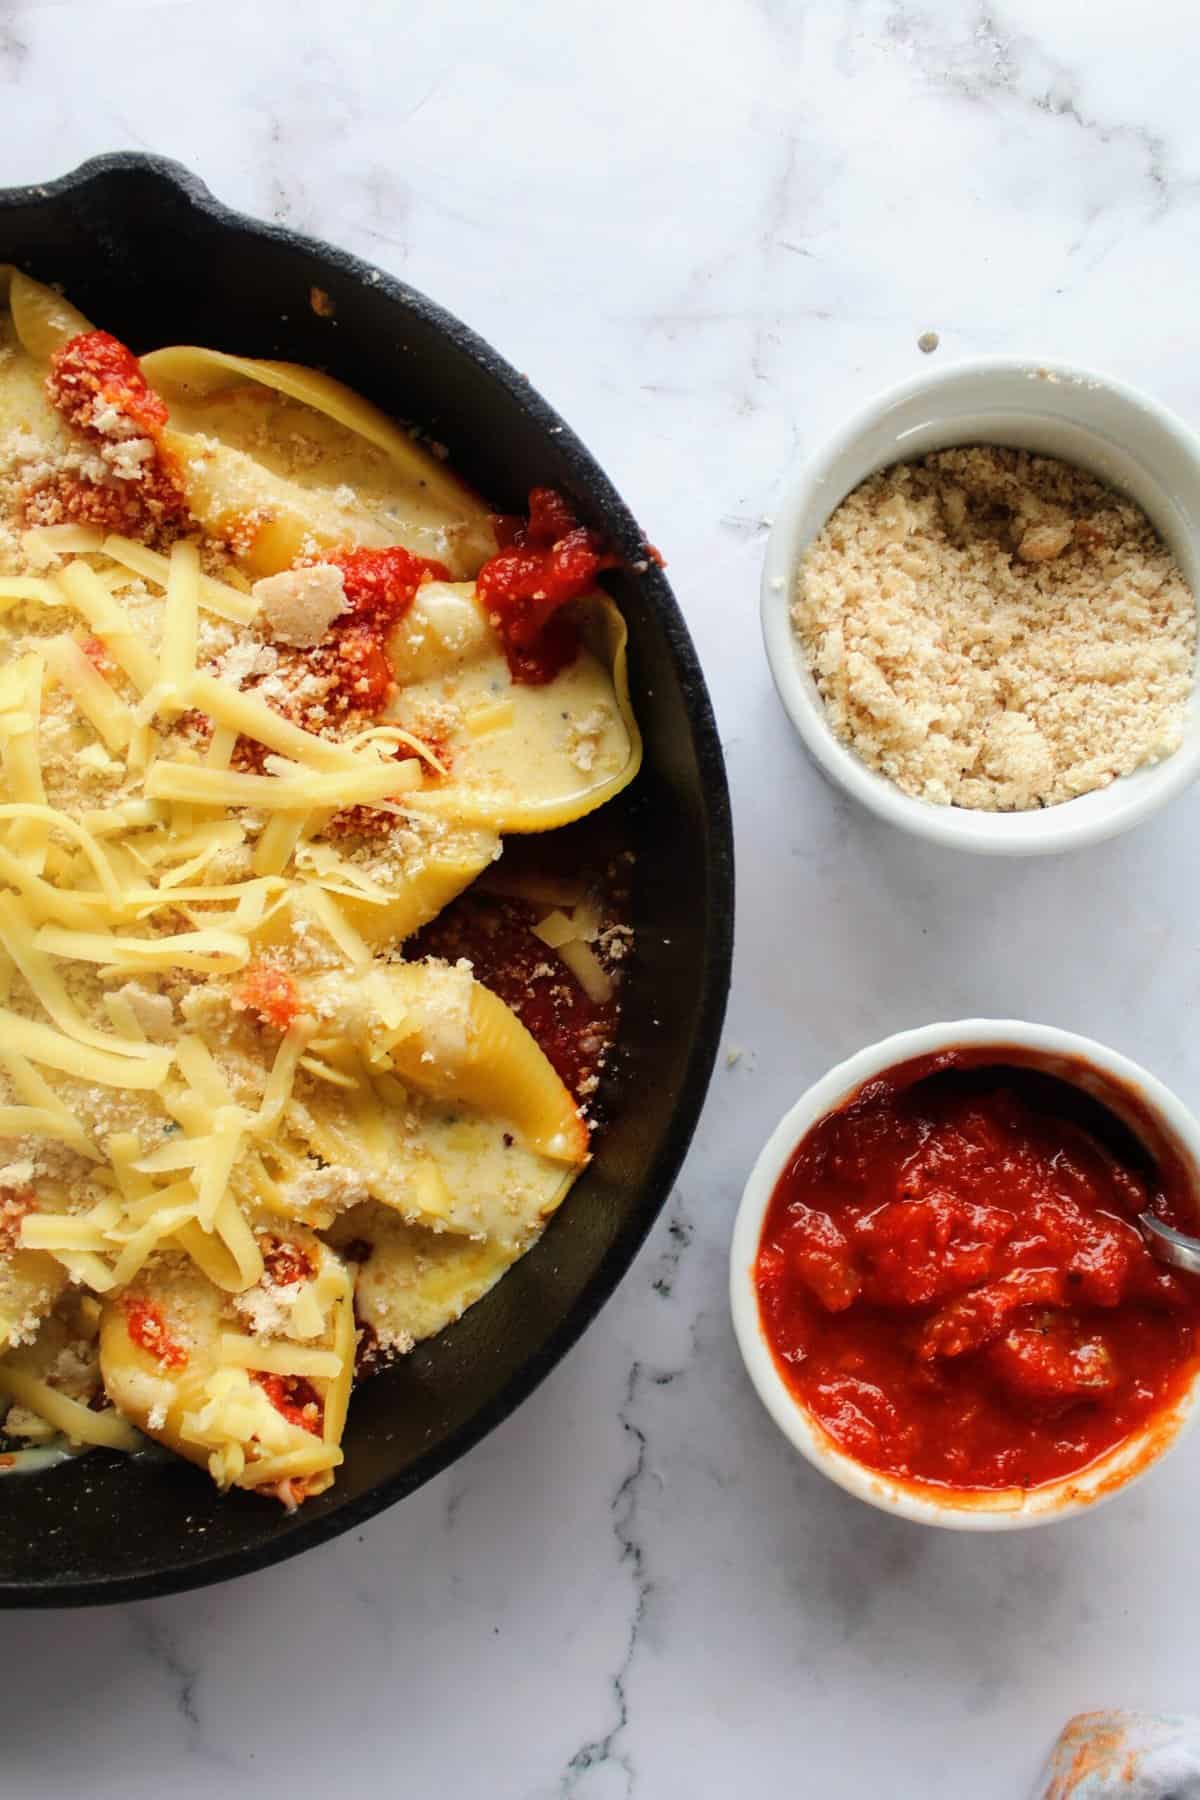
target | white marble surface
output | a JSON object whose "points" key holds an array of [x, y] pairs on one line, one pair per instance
{"points": [[706, 231]]}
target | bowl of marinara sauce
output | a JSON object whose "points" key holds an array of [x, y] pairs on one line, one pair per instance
{"points": [[938, 1283]]}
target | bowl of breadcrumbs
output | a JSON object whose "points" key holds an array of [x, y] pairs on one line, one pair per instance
{"points": [[979, 607]]}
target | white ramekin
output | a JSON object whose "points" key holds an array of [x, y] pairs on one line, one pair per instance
{"points": [[1160, 1119], [1123, 437]]}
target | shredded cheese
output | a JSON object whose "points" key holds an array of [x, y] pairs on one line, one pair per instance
{"points": [[30, 956], [21, 761], [278, 1359], [555, 930], [253, 718], [44, 543], [77, 1422], [177, 662], [229, 1126], [81, 588], [278, 1090], [54, 1050], [14, 588], [206, 952], [276, 846], [216, 596], [99, 703], [587, 969], [360, 786]]}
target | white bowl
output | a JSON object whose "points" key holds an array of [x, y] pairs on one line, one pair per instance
{"points": [[1129, 441], [1160, 1120]]}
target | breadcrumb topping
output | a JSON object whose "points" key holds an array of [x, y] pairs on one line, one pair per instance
{"points": [[996, 630]]}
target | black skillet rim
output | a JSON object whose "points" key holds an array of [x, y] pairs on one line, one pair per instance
{"points": [[719, 900]]}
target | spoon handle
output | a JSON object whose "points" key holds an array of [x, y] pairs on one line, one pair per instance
{"points": [[1169, 1245]]}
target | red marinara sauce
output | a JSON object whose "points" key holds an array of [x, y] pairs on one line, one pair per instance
{"points": [[294, 1397], [147, 1329], [951, 1282], [543, 562], [95, 382], [269, 993], [349, 673], [380, 587]]}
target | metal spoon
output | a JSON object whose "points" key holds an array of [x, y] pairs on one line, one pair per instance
{"points": [[1169, 1245]]}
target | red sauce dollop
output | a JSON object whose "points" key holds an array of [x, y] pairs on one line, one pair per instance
{"points": [[95, 370], [951, 1282], [271, 994], [544, 561], [285, 1262], [381, 585], [147, 1329], [93, 376], [294, 1397]]}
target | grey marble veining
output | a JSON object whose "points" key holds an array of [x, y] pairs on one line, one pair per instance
{"points": [[707, 233]]}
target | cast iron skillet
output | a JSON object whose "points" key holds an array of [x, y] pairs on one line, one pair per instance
{"points": [[143, 248]]}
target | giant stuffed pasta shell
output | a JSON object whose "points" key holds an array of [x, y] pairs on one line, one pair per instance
{"points": [[433, 1098], [521, 758], [329, 467], [253, 1389]]}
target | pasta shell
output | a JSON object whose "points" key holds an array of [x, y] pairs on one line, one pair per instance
{"points": [[416, 1282], [403, 494], [30, 1282], [154, 1397], [451, 1039], [422, 885], [44, 321], [269, 518], [23, 403], [499, 1070], [207, 1408], [521, 758]]}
